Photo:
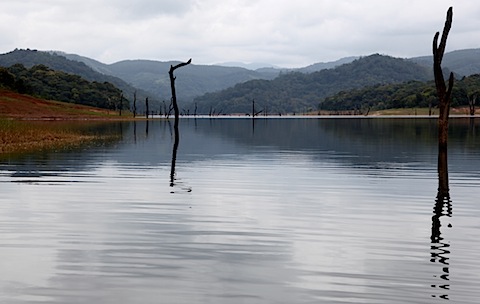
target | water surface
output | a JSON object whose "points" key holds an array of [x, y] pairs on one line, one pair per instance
{"points": [[264, 211]]}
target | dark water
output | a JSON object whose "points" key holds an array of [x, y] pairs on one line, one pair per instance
{"points": [[280, 211]]}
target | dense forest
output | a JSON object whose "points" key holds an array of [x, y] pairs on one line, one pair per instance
{"points": [[300, 92], [41, 81], [410, 94], [54, 61]]}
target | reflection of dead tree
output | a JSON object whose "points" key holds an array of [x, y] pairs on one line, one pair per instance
{"points": [[444, 93], [440, 248], [174, 157], [135, 132], [177, 116]]}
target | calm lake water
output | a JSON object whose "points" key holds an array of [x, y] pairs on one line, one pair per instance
{"points": [[275, 211]]}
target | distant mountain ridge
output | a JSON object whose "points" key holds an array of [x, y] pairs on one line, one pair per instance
{"points": [[197, 80], [301, 92], [326, 65], [150, 78], [462, 62]]}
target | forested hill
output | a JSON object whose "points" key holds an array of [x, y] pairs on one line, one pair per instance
{"points": [[192, 81], [298, 92], [43, 82], [30, 58], [410, 94]]}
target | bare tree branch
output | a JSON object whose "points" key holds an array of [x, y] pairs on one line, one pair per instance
{"points": [[444, 93]]}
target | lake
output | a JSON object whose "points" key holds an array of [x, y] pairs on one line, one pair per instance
{"points": [[285, 210]]}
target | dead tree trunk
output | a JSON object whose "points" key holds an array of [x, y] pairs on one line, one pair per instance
{"points": [[172, 86], [134, 104], [253, 109], [120, 104], [177, 115], [146, 108], [471, 103], [444, 93]]}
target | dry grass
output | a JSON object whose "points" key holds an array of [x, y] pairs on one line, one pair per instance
{"points": [[25, 107], [20, 136], [30, 124]]}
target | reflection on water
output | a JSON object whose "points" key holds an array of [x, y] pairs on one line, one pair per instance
{"points": [[176, 141], [440, 248], [298, 211]]}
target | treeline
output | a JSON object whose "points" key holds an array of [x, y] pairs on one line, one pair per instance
{"points": [[298, 92], [411, 94], [43, 82]]}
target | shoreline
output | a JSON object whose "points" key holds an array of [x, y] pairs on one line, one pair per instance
{"points": [[28, 124]]}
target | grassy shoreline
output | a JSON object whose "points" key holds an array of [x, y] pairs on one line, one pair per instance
{"points": [[30, 124], [21, 137]]}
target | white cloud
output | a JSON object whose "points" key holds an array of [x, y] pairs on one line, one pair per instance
{"points": [[288, 33]]}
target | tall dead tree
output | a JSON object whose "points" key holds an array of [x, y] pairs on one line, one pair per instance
{"points": [[177, 115], [444, 93], [443, 201], [172, 86]]}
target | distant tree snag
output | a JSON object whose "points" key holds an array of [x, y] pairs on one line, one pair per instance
{"points": [[146, 108], [254, 113], [472, 98], [134, 104], [444, 93], [172, 86], [120, 102]]}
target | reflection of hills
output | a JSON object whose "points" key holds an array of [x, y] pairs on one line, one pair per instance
{"points": [[364, 142], [355, 142], [55, 162]]}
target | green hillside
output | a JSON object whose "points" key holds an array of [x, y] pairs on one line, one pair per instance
{"points": [[411, 94], [43, 82], [192, 81], [461, 62], [30, 58], [299, 92]]}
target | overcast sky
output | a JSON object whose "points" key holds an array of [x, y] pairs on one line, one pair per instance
{"points": [[279, 32]]}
